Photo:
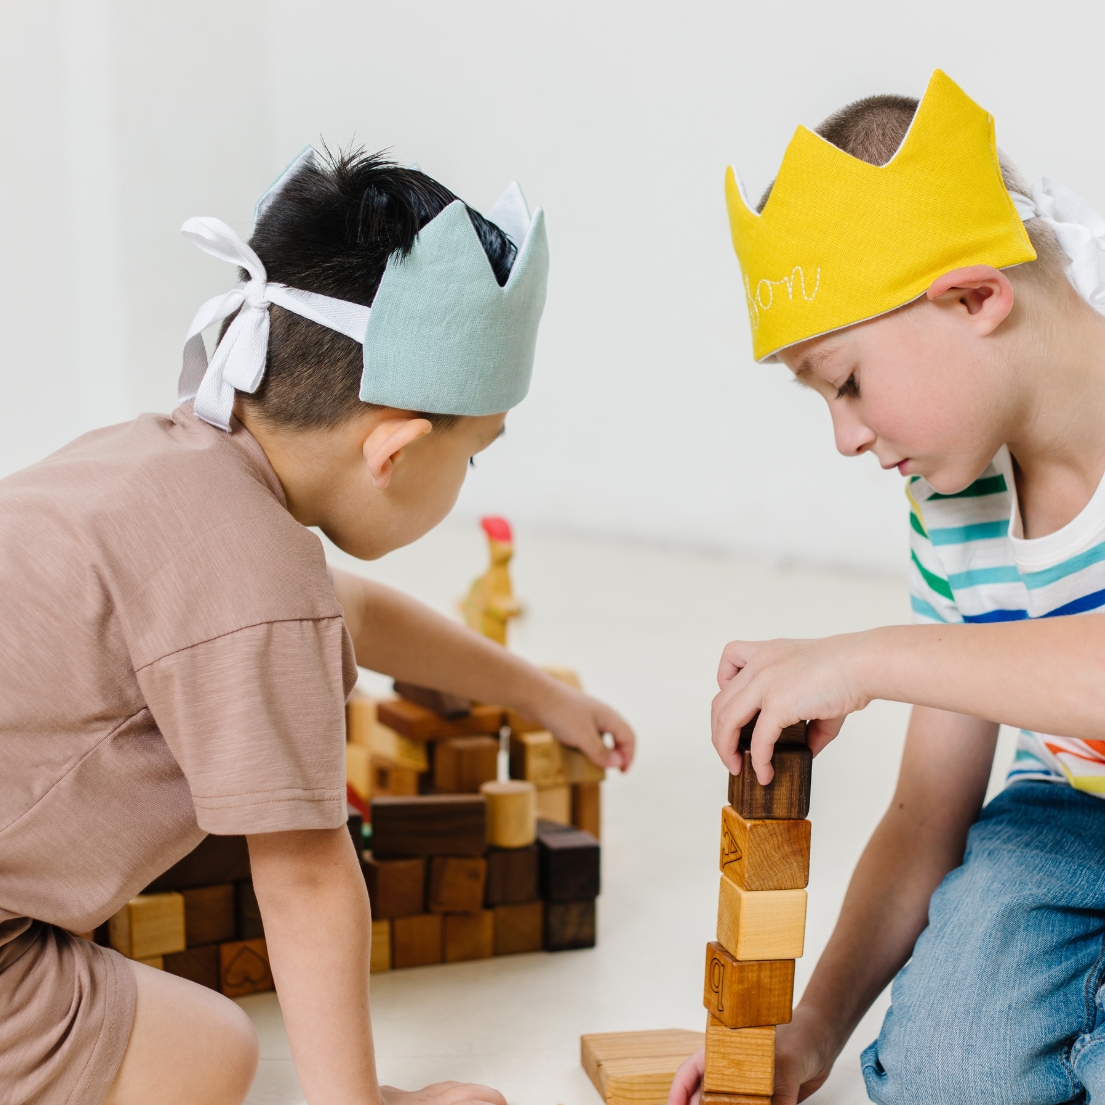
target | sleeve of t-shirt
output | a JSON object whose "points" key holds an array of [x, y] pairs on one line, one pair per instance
{"points": [[930, 594], [256, 721]]}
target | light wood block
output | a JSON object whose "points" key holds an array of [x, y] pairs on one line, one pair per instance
{"points": [[747, 994], [519, 928], [636, 1067], [209, 916], [387, 778], [463, 764], [511, 813], [416, 941], [417, 723], [360, 719], [456, 884], [764, 854], [739, 1060], [395, 749], [540, 758], [787, 796], [381, 947], [555, 804], [761, 924], [587, 808], [735, 1099], [244, 968], [149, 925], [155, 961], [358, 770], [469, 935]]}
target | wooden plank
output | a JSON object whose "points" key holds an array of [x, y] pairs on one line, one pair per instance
{"points": [[149, 925], [429, 824], [512, 875], [199, 965], [555, 804], [587, 808], [215, 859], [511, 813], [380, 959], [456, 884], [788, 794], [569, 925], [747, 994], [641, 1065], [450, 706], [244, 968], [463, 764], [764, 854], [569, 865], [519, 927], [739, 1060], [416, 941], [417, 723], [469, 935], [209, 914], [396, 887], [761, 924]]}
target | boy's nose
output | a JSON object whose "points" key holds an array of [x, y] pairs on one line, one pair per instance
{"points": [[852, 436]]}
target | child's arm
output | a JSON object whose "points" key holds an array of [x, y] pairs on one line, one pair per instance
{"points": [[317, 926], [394, 634], [1046, 675]]}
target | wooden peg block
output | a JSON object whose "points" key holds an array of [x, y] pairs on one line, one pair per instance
{"points": [[569, 865], [380, 959], [248, 912], [456, 884], [587, 808], [739, 1060], [511, 813], [396, 887], [747, 994], [788, 794], [417, 723], [512, 875], [519, 927], [209, 914], [215, 859], [450, 706], [429, 824], [149, 925], [569, 925], [761, 924], [244, 968], [469, 935], [555, 804], [390, 779], [416, 941], [200, 965], [636, 1067], [764, 854], [463, 764]]}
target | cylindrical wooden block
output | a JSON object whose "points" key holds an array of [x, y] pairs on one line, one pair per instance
{"points": [[511, 813]]}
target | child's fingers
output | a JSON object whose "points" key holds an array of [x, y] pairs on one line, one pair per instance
{"points": [[731, 710], [762, 746], [625, 741], [686, 1086]]}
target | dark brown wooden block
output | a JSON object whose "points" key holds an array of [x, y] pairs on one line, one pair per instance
{"points": [[569, 925], [519, 927], [469, 935], [456, 884], [569, 865], [747, 993], [428, 825], [787, 796], [463, 764], [209, 914], [250, 925], [450, 706], [216, 859], [511, 875], [396, 887], [244, 968], [416, 941], [199, 965], [416, 722], [355, 823], [764, 854]]}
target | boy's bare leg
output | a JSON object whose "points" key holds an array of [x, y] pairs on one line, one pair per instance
{"points": [[188, 1046]]}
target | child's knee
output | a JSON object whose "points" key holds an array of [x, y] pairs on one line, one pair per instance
{"points": [[242, 1048]]}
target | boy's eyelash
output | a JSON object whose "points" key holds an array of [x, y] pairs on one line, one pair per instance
{"points": [[849, 387]]}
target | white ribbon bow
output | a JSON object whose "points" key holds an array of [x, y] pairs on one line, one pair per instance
{"points": [[239, 360], [1079, 228]]}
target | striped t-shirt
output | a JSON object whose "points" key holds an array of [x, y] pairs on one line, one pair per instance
{"points": [[969, 565]]}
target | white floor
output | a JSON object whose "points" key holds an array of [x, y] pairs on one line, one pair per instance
{"points": [[644, 627]]}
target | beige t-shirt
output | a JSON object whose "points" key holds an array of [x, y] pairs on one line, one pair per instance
{"points": [[173, 662]]}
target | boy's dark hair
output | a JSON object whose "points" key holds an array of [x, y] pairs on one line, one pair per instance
{"points": [[331, 230]]}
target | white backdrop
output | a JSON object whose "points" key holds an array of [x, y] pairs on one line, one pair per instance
{"points": [[647, 417]]}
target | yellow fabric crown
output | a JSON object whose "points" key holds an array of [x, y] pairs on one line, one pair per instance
{"points": [[840, 241]]}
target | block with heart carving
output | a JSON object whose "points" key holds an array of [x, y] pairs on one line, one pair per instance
{"points": [[244, 968]]}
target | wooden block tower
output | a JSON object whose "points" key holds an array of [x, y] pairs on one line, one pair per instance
{"points": [[765, 861]]}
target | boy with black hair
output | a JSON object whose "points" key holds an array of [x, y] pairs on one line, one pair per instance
{"points": [[945, 313], [176, 657]]}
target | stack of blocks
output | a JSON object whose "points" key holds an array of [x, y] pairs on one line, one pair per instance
{"points": [[765, 854]]}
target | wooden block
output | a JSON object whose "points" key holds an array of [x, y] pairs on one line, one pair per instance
{"points": [[354, 822], [416, 941], [555, 804], [429, 824], [747, 994], [739, 1060], [469, 935], [787, 796], [569, 864], [417, 723], [360, 719], [587, 808], [399, 751], [463, 764], [636, 1066], [541, 759], [155, 961], [396, 887], [518, 724], [519, 927], [761, 924], [250, 925], [380, 959], [511, 813], [735, 1099], [358, 770], [569, 925], [149, 925], [450, 706], [209, 916], [244, 968], [215, 859], [389, 779], [764, 854], [456, 884], [512, 875], [199, 965]]}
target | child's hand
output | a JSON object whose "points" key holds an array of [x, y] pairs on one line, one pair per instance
{"points": [[686, 1087], [580, 721], [443, 1093], [787, 682]]}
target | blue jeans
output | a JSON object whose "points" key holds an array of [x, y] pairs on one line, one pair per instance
{"points": [[1003, 1002]]}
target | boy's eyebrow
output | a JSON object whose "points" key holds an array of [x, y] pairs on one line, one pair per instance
{"points": [[810, 363]]}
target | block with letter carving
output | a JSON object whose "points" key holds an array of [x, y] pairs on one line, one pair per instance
{"points": [[764, 854], [747, 994]]}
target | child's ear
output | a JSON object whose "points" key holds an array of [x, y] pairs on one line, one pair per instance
{"points": [[386, 439], [984, 291]]}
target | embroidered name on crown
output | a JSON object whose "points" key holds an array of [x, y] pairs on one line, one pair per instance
{"points": [[756, 302]]}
